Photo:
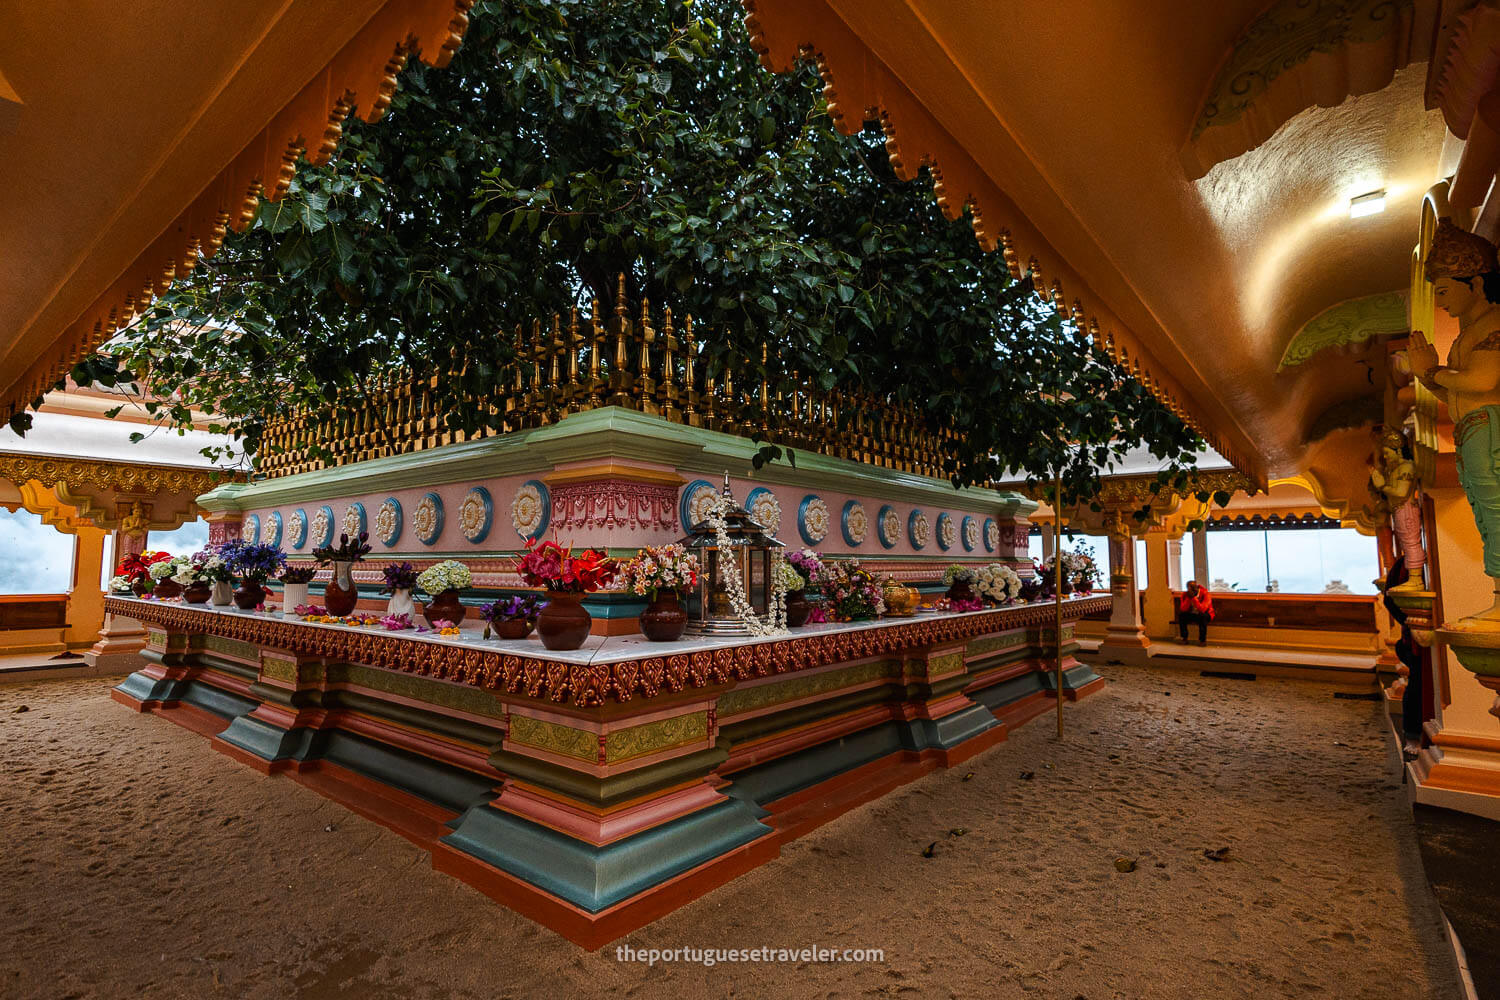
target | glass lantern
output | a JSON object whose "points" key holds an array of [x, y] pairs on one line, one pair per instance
{"points": [[748, 557]]}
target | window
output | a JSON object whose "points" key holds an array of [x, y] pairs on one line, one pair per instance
{"points": [[183, 541], [1141, 569], [38, 557], [1293, 561]]}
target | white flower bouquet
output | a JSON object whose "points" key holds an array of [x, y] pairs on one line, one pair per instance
{"points": [[450, 574]]}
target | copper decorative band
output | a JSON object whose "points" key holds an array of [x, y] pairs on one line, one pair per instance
{"points": [[586, 684]]}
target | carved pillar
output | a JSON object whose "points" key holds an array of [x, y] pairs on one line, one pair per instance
{"points": [[86, 602], [1125, 636], [224, 526], [121, 639]]}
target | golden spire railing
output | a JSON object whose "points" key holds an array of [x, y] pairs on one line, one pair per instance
{"points": [[582, 362]]}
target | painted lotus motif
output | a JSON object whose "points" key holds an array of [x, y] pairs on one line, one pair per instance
{"points": [[425, 519], [890, 527], [388, 521], [766, 510], [971, 533], [526, 510], [991, 536], [474, 514], [921, 530], [856, 524], [815, 519]]}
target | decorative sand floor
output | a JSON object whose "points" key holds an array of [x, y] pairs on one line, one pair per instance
{"points": [[136, 861]]}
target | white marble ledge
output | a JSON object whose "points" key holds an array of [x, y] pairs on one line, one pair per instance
{"points": [[611, 649]]}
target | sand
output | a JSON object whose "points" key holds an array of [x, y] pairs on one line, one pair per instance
{"points": [[139, 862]]}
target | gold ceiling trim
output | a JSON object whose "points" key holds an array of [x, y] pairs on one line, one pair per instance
{"points": [[859, 87], [363, 73], [122, 477], [1298, 54]]}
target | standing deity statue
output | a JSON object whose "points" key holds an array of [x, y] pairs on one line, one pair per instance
{"points": [[135, 523], [1466, 284], [1394, 481]]}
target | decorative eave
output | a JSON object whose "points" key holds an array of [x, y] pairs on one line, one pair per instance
{"points": [[82, 483], [859, 87], [362, 74], [1301, 53]]}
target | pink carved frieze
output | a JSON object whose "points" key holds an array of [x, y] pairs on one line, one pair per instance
{"points": [[615, 513]]}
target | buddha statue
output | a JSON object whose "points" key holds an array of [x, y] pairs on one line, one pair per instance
{"points": [[1466, 284]]}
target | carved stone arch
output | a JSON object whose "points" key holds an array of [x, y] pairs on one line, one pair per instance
{"points": [[1301, 53]]}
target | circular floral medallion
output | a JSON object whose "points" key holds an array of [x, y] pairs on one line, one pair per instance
{"points": [[812, 519], [764, 508], [475, 515], [854, 524], [696, 496], [889, 527], [388, 521], [917, 529], [970, 533], [427, 519], [322, 527], [354, 520], [298, 537], [531, 509], [273, 528], [991, 534], [947, 532], [250, 531]]}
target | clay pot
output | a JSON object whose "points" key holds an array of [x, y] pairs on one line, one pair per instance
{"points": [[511, 628], [664, 620], [198, 593], [141, 587], [798, 607], [564, 623], [249, 595], [445, 607], [167, 589], [960, 591], [341, 594]]}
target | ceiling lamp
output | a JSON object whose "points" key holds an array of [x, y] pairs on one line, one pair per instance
{"points": [[1367, 204]]}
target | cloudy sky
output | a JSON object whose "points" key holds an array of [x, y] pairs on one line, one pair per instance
{"points": [[36, 558]]}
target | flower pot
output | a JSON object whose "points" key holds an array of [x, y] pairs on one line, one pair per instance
{"points": [[341, 594], [249, 595], [141, 587], [961, 591], [797, 608], [445, 607], [401, 604], [563, 623], [511, 628], [167, 589], [293, 595], [223, 594], [663, 620], [198, 593]]}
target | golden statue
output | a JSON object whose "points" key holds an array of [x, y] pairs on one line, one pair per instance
{"points": [[1466, 283], [135, 524]]}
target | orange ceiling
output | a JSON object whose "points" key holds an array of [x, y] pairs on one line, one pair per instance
{"points": [[1078, 111]]}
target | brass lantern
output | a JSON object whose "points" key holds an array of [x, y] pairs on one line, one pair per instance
{"points": [[748, 557]]}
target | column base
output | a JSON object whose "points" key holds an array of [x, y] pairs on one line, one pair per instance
{"points": [[1457, 771]]}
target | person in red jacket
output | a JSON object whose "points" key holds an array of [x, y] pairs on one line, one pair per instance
{"points": [[1195, 607]]}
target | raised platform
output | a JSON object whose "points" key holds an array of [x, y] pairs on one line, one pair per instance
{"points": [[1352, 670], [596, 791]]}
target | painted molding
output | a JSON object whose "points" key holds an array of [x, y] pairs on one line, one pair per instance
{"points": [[1352, 321]]}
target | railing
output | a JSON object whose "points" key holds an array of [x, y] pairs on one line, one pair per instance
{"points": [[583, 363]]}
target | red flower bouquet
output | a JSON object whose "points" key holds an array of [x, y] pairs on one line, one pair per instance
{"points": [[138, 567], [554, 568]]}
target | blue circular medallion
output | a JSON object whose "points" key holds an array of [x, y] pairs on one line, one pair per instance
{"points": [[917, 528], [991, 533], [531, 509], [946, 533], [322, 527], [812, 519], [273, 528], [250, 531], [388, 521], [853, 523], [476, 514], [299, 529], [355, 522], [427, 520], [692, 502], [967, 533], [888, 526]]}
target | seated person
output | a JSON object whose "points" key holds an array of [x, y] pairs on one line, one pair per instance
{"points": [[1195, 607]]}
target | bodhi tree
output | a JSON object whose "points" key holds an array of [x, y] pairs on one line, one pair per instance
{"points": [[570, 142]]}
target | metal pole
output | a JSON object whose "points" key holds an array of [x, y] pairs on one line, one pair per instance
{"points": [[1057, 569]]}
